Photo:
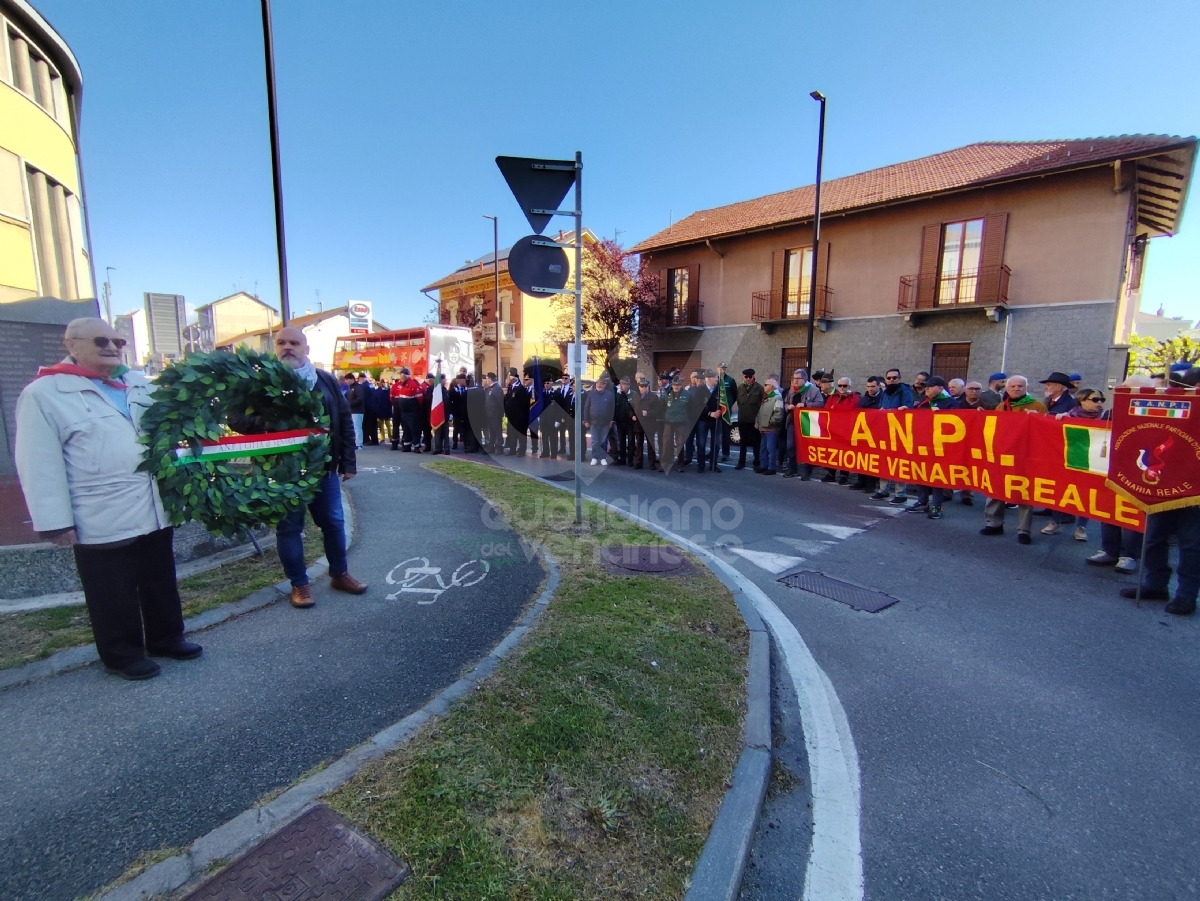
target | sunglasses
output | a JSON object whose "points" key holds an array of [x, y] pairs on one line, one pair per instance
{"points": [[892, 378], [843, 386], [118, 343], [1093, 400]]}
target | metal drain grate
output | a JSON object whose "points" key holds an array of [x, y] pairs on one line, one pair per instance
{"points": [[318, 856], [837, 590]]}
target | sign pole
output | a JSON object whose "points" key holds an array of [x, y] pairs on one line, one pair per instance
{"points": [[578, 337], [285, 307]]}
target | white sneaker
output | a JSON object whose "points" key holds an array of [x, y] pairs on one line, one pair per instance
{"points": [[604, 462], [1050, 528], [593, 463], [1126, 565], [1081, 533]]}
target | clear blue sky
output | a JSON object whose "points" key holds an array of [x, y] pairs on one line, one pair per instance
{"points": [[391, 114]]}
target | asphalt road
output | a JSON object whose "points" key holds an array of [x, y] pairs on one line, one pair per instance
{"points": [[1022, 731], [96, 770]]}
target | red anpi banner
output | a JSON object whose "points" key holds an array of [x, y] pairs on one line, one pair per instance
{"points": [[1156, 447], [1020, 458]]}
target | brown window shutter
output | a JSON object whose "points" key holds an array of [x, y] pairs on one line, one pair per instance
{"points": [[991, 258], [778, 288], [927, 275], [694, 295]]}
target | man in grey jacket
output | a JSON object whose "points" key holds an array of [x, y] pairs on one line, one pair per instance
{"points": [[77, 454]]}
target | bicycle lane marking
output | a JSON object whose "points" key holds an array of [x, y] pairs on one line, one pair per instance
{"points": [[422, 572], [835, 868]]}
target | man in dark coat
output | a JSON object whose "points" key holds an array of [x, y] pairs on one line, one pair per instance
{"points": [[749, 400], [622, 424], [708, 434], [326, 508], [548, 421], [406, 402], [493, 396], [731, 394], [357, 401], [698, 394], [516, 408], [474, 412], [564, 397], [647, 421]]}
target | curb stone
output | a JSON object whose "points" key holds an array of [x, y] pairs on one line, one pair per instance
{"points": [[722, 862], [85, 655], [250, 826]]}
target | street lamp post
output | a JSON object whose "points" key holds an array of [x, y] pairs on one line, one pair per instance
{"points": [[812, 281], [285, 312], [496, 273]]}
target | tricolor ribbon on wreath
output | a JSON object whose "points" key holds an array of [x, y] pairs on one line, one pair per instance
{"points": [[235, 447]]}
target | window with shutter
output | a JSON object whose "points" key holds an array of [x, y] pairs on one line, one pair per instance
{"points": [[951, 360], [958, 273], [693, 294], [993, 276], [927, 276]]}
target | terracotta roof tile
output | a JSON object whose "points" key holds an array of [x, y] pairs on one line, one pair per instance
{"points": [[975, 164]]}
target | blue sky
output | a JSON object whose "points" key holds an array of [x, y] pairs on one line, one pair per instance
{"points": [[391, 114]]}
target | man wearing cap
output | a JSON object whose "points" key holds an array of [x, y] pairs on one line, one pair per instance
{"points": [[697, 399], [564, 398], [1017, 399], [623, 423], [598, 406], [749, 400], [516, 408], [708, 438], [77, 456], [930, 498], [406, 410], [647, 416], [731, 393], [355, 397], [1058, 393], [675, 425], [994, 396], [1076, 379]]}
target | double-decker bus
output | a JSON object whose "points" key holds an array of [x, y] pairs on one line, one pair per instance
{"points": [[426, 348]]}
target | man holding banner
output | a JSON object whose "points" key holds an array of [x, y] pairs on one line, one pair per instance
{"points": [[77, 455]]}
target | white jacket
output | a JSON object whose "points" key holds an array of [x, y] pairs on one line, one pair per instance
{"points": [[77, 457]]}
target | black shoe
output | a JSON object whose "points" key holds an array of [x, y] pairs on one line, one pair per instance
{"points": [[968, 502], [1024, 538], [789, 475], [181, 650], [992, 530], [935, 513], [768, 472], [1149, 594], [136, 671], [880, 496], [740, 466], [828, 478], [1180, 607], [918, 508], [805, 478]]}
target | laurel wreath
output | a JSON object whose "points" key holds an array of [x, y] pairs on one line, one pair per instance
{"points": [[192, 403]]}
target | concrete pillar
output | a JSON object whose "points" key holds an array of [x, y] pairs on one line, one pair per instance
{"points": [[43, 232], [62, 236], [22, 67], [45, 88]]}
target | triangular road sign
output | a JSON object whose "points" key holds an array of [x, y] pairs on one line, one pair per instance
{"points": [[537, 185]]}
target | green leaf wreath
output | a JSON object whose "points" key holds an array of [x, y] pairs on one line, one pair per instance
{"points": [[205, 397]]}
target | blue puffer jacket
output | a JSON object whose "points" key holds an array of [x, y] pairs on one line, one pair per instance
{"points": [[902, 398], [599, 406]]}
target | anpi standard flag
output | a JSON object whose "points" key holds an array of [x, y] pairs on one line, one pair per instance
{"points": [[814, 424], [1086, 448]]}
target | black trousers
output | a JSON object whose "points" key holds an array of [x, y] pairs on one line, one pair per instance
{"points": [[624, 444], [642, 438], [132, 597], [751, 438], [410, 420]]}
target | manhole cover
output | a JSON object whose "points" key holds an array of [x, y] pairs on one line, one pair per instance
{"points": [[851, 595], [560, 477], [317, 857], [650, 560]]}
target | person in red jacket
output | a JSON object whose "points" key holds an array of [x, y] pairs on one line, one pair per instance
{"points": [[407, 394], [843, 398]]}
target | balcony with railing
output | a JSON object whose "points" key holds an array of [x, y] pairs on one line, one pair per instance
{"points": [[685, 315], [985, 287], [789, 306]]}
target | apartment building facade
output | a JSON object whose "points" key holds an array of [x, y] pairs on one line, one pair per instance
{"points": [[1024, 257]]}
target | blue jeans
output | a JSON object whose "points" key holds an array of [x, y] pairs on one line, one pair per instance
{"points": [[1184, 524], [770, 446], [358, 428], [598, 431], [326, 510], [1118, 542]]}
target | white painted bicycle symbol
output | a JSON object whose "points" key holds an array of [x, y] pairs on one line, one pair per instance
{"points": [[422, 579]]}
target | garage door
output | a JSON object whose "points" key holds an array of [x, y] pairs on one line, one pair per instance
{"points": [[684, 360]]}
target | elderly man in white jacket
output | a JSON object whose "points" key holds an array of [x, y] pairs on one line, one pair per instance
{"points": [[78, 425]]}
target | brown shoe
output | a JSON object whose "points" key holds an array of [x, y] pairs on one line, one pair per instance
{"points": [[302, 596], [347, 583]]}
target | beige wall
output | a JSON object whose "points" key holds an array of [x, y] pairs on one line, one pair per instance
{"points": [[239, 314], [1064, 244]]}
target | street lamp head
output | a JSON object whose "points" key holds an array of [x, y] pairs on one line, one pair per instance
{"points": [[817, 95]]}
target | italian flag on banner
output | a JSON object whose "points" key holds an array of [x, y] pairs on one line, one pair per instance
{"points": [[238, 446], [1086, 448], [814, 424]]}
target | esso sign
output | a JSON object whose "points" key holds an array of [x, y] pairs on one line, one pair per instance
{"points": [[359, 314], [360, 310]]}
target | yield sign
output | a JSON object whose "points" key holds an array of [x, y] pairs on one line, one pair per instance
{"points": [[537, 185]]}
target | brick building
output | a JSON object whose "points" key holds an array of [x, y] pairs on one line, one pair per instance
{"points": [[1022, 256]]}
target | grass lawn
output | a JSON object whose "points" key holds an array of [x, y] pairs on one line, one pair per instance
{"points": [[592, 762], [39, 633]]}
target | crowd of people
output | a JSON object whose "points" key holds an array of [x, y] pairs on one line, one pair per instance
{"points": [[688, 419]]}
